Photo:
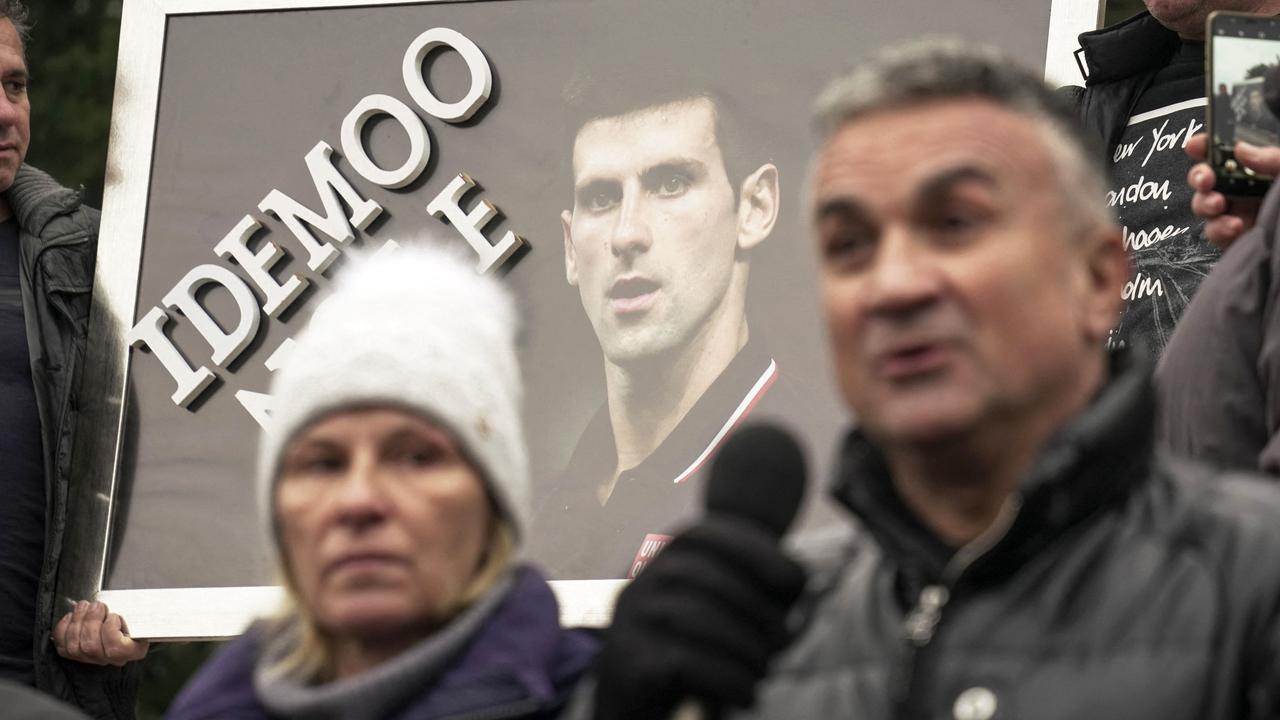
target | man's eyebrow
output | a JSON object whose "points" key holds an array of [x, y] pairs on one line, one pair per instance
{"points": [[675, 166], [939, 185], [841, 208], [594, 179], [691, 167]]}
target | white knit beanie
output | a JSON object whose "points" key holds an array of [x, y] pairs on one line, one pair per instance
{"points": [[416, 328]]}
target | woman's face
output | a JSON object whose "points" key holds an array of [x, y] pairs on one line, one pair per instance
{"points": [[383, 522]]}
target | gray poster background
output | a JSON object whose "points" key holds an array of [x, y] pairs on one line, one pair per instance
{"points": [[244, 96]]}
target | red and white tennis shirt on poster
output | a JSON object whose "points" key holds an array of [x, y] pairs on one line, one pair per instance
{"points": [[575, 538]]}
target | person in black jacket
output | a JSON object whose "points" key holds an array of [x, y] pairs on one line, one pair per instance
{"points": [[1023, 551], [48, 239], [1221, 407], [1144, 97]]}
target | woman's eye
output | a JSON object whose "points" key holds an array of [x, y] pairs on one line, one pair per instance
{"points": [[418, 457], [320, 465]]}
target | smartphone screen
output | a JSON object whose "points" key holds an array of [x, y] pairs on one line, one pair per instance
{"points": [[1242, 51]]}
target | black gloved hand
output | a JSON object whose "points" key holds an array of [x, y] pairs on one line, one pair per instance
{"points": [[701, 622]]}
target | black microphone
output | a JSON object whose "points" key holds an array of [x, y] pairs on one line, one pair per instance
{"points": [[759, 476]]}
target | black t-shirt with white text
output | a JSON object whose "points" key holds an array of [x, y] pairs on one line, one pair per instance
{"points": [[1152, 202]]}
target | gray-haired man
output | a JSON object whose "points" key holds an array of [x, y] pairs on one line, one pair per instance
{"points": [[1026, 553]]}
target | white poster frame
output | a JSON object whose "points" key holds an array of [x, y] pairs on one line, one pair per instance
{"points": [[208, 613]]}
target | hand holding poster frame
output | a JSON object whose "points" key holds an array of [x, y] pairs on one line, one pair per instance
{"points": [[223, 112]]}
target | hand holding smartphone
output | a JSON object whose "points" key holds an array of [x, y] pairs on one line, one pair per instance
{"points": [[1242, 79]]}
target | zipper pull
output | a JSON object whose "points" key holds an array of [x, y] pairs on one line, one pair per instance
{"points": [[921, 622], [918, 626]]}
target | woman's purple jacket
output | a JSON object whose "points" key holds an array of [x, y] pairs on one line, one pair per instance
{"points": [[521, 664]]}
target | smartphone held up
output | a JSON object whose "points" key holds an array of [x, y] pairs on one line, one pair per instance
{"points": [[1242, 77]]}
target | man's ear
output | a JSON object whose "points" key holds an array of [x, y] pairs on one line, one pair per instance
{"points": [[1107, 269], [570, 261], [757, 206]]}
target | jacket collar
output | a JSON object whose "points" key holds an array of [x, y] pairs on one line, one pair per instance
{"points": [[1093, 462], [508, 658], [520, 658], [36, 198], [687, 447], [1139, 44]]}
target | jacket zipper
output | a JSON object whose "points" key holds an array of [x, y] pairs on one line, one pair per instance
{"points": [[58, 414], [921, 623]]}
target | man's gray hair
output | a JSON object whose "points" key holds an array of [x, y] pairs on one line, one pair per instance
{"points": [[15, 12], [947, 69]]}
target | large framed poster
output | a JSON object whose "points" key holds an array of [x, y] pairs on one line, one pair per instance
{"points": [[633, 169]]}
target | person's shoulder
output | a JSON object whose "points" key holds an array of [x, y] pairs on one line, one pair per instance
{"points": [[1231, 516], [838, 557], [1073, 94], [1235, 497], [223, 686], [44, 206], [531, 605], [1130, 48], [837, 622]]}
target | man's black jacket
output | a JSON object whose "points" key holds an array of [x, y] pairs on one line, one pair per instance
{"points": [[1118, 583], [1121, 61]]}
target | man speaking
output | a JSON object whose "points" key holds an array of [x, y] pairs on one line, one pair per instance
{"points": [[667, 207], [1026, 553]]}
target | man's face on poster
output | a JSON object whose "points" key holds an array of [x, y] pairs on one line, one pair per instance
{"points": [[653, 238]]}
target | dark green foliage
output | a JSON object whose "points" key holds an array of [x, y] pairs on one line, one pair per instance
{"points": [[167, 668], [72, 59], [1261, 69], [1117, 10]]}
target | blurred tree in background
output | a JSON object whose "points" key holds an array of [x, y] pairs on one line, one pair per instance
{"points": [[72, 58], [1118, 10]]}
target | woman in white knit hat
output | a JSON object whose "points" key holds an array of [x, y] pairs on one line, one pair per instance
{"points": [[394, 484]]}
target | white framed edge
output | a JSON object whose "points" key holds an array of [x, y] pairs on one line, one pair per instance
{"points": [[221, 612], [217, 613], [1067, 19]]}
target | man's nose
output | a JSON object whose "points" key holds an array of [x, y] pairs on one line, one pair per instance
{"points": [[905, 274], [631, 233], [10, 111]]}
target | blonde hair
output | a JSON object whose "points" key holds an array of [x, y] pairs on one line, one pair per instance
{"points": [[310, 655]]}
